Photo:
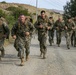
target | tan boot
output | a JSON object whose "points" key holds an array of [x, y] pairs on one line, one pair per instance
{"points": [[22, 62]]}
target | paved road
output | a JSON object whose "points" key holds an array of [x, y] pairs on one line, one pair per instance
{"points": [[60, 61]]}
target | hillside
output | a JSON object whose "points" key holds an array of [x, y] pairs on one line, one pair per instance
{"points": [[30, 8]]}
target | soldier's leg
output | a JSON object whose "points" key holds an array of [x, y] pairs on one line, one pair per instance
{"points": [[16, 47], [69, 34], [50, 38], [27, 49], [67, 40], [41, 48], [72, 38], [75, 42], [2, 48], [21, 47], [40, 43], [58, 39], [75, 39], [2, 52], [44, 47]]}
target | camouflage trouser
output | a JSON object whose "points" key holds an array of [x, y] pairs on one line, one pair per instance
{"points": [[22, 45], [58, 37], [72, 38], [51, 36], [68, 37], [42, 40], [1, 45]]}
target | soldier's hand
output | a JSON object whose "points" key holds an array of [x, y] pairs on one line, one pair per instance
{"points": [[27, 33], [14, 37], [41, 26]]}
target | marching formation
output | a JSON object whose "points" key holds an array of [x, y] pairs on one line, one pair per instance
{"points": [[23, 30]]}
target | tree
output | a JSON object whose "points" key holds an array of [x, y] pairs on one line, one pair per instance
{"points": [[70, 9]]}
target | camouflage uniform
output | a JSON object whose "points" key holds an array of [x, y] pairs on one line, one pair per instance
{"points": [[69, 32], [4, 33], [59, 26], [42, 34], [22, 41], [51, 32]]}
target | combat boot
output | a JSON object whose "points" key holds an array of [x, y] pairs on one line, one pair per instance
{"points": [[22, 62], [2, 53]]}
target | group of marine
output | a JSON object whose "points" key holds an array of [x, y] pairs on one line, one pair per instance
{"points": [[23, 30]]}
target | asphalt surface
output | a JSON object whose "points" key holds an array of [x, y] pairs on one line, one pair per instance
{"points": [[59, 61]]}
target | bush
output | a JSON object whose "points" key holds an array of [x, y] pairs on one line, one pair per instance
{"points": [[10, 20], [2, 14], [16, 11]]}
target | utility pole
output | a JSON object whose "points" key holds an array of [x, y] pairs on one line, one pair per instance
{"points": [[36, 9]]}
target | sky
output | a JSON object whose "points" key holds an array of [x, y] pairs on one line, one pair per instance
{"points": [[49, 4]]}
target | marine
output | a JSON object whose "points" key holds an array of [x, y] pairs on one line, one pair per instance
{"points": [[69, 27], [42, 27], [59, 26], [51, 31], [21, 32]]}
